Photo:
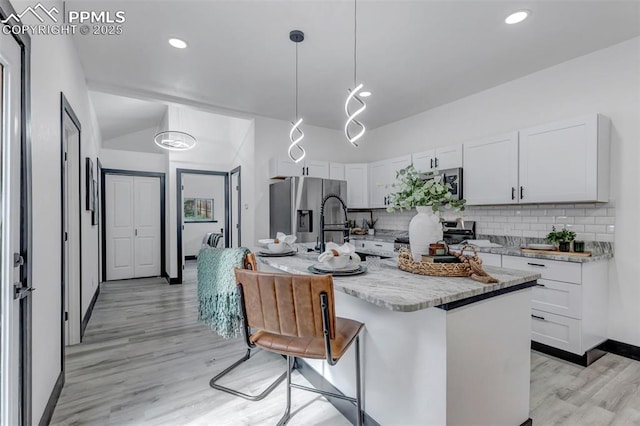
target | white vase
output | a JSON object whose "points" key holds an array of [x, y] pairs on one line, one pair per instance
{"points": [[424, 229], [371, 231]]}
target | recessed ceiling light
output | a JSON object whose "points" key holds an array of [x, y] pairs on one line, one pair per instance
{"points": [[177, 43], [516, 17], [365, 94]]}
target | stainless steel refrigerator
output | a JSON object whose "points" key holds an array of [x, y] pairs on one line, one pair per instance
{"points": [[295, 208]]}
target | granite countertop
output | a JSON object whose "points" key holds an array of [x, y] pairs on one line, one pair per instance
{"points": [[397, 290], [515, 251]]}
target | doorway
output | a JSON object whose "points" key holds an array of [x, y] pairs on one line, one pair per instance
{"points": [[15, 232], [133, 224], [197, 190], [235, 207], [70, 133]]}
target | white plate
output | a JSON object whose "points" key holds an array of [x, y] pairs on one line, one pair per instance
{"points": [[327, 268], [541, 246], [266, 241]]}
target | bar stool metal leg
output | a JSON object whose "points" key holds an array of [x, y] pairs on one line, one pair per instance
{"points": [[358, 383], [287, 413], [227, 370]]}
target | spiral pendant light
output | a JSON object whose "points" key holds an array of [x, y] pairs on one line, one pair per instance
{"points": [[353, 128], [296, 134]]}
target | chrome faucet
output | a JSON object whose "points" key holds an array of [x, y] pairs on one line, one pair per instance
{"points": [[331, 227]]}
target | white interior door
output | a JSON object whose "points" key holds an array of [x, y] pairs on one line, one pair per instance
{"points": [[119, 226], [132, 206], [146, 202], [234, 207], [14, 358]]}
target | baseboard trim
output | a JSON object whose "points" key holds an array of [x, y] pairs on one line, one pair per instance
{"points": [[174, 281], [87, 316], [317, 381], [528, 422], [584, 360], [190, 257], [47, 415], [623, 349]]}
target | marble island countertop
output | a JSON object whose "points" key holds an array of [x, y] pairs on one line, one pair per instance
{"points": [[397, 290]]}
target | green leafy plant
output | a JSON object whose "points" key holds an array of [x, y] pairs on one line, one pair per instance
{"points": [[563, 236], [413, 191], [371, 223]]}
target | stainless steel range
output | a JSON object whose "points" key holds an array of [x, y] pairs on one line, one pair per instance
{"points": [[453, 232]]}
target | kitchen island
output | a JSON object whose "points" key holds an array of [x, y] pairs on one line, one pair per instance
{"points": [[437, 351]]}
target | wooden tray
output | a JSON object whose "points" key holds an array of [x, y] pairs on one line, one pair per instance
{"points": [[556, 252]]}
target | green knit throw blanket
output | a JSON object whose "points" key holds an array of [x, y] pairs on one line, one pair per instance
{"points": [[218, 301]]}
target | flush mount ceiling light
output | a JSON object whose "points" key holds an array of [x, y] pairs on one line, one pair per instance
{"points": [[517, 17], [177, 43], [296, 134], [175, 139], [352, 124]]}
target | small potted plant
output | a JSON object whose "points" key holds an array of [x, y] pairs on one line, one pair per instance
{"points": [[562, 238], [371, 223]]}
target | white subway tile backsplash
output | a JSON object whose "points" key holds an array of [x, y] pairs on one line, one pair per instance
{"points": [[605, 220], [585, 220], [591, 222], [595, 228]]}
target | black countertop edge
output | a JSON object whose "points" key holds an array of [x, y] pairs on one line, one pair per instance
{"points": [[473, 299]]}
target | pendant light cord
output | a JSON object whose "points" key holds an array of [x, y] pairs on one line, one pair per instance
{"points": [[355, 40], [296, 81]]}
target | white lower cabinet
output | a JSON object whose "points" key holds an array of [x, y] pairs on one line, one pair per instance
{"points": [[569, 304]]}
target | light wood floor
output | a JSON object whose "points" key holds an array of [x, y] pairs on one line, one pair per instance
{"points": [[145, 360]]}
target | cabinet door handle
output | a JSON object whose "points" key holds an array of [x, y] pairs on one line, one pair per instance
{"points": [[521, 192], [378, 245], [540, 285], [538, 317], [436, 161], [513, 192], [432, 163], [307, 170], [136, 232], [536, 264]]}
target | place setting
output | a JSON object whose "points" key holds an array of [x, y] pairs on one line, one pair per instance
{"points": [[339, 261], [280, 246]]}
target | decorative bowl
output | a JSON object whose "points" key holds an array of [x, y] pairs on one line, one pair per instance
{"points": [[278, 247]]}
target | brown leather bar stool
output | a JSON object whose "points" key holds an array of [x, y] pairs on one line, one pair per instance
{"points": [[294, 315], [250, 264]]}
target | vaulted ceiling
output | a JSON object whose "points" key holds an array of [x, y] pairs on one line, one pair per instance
{"points": [[413, 55]]}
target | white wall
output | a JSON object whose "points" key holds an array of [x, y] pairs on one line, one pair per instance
{"points": [[606, 81], [272, 140], [54, 68], [136, 161], [202, 186]]}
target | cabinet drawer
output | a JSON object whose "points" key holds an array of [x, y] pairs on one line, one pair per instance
{"points": [[556, 331], [557, 298], [373, 245], [550, 269]]}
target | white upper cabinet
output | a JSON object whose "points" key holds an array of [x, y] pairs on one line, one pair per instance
{"points": [[378, 183], [356, 176], [423, 161], [565, 161], [318, 169], [382, 175], [336, 171], [281, 168], [446, 157], [491, 170]]}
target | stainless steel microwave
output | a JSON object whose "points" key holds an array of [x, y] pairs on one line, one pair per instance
{"points": [[451, 176]]}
